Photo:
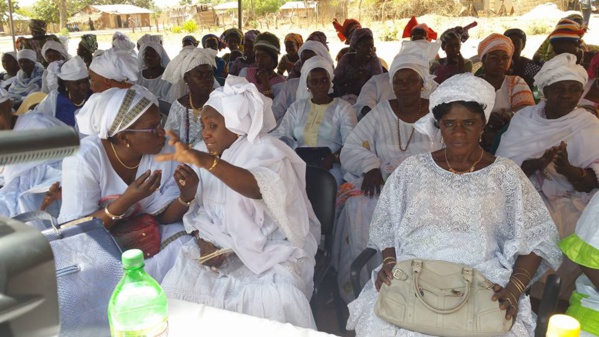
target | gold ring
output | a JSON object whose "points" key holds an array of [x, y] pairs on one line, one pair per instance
{"points": [[182, 182], [214, 269]]}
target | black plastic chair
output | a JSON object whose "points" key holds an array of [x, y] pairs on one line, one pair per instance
{"points": [[321, 189], [547, 307]]}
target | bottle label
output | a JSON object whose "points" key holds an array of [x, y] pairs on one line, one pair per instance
{"points": [[160, 330]]}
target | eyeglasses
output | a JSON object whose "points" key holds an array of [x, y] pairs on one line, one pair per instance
{"points": [[155, 130]]}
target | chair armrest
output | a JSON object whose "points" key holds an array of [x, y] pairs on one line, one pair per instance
{"points": [[356, 269]]}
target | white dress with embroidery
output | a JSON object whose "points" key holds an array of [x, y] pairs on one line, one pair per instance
{"points": [[484, 219]]}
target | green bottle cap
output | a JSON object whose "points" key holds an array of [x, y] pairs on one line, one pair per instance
{"points": [[133, 259]]}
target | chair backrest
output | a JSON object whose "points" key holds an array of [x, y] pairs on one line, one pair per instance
{"points": [[321, 188], [548, 305]]}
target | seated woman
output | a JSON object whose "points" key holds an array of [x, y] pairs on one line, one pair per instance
{"points": [[376, 146], [554, 143], [288, 92], [582, 247], [87, 47], [454, 62], [316, 119], [272, 231], [152, 62], [437, 206], [233, 39], [11, 67], [28, 79], [192, 76], [113, 69], [521, 66], [263, 75], [115, 176], [418, 31], [211, 41], [73, 90], [22, 183], [189, 41], [52, 52], [355, 69], [512, 92], [344, 32], [292, 42], [248, 58], [590, 95], [316, 36]]}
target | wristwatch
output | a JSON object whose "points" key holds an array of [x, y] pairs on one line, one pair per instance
{"points": [[112, 216]]}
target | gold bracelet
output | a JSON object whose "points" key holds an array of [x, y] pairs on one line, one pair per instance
{"points": [[528, 277], [185, 203], [213, 163], [525, 271], [112, 216], [391, 258], [514, 297], [518, 284]]}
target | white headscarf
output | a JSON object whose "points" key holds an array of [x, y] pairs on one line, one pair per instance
{"points": [[187, 59], [149, 38], [561, 67], [164, 59], [52, 74], [461, 87], [313, 63], [4, 96], [316, 47], [57, 46], [73, 70], [416, 55], [27, 54], [122, 42], [107, 113], [115, 65], [245, 109]]}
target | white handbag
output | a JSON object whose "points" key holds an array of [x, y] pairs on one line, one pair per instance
{"points": [[442, 299]]}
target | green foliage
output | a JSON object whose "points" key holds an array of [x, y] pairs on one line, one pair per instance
{"points": [[538, 27], [176, 29], [4, 9], [46, 10], [64, 32], [184, 2], [389, 33], [190, 26]]}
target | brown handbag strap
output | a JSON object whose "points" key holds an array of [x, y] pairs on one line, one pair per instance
{"points": [[467, 275], [171, 239]]}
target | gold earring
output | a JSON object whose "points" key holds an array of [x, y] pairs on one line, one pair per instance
{"points": [[128, 146]]}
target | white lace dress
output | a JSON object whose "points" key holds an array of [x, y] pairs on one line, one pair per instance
{"points": [[484, 219]]}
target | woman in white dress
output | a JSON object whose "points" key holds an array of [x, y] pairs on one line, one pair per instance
{"points": [[251, 202], [114, 174], [439, 206], [71, 80], [555, 143], [52, 51], [112, 69], [315, 119], [25, 183], [28, 79], [152, 62], [192, 76], [376, 146]]}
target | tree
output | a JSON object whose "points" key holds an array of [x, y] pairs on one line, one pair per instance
{"points": [[4, 10]]}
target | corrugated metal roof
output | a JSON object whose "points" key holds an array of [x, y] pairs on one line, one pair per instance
{"points": [[298, 5], [121, 9], [225, 6]]}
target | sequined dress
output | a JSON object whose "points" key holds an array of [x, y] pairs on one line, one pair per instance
{"points": [[484, 219]]}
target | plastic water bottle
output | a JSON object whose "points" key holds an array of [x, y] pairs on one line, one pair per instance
{"points": [[138, 305]]}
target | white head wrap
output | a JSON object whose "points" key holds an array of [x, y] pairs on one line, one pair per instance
{"points": [[115, 65], [73, 70], [461, 87], [316, 47], [52, 74], [11, 53], [149, 38], [562, 67], [313, 63], [416, 55], [164, 59], [57, 46], [245, 109], [4, 96], [187, 59], [27, 54], [122, 42], [107, 113]]}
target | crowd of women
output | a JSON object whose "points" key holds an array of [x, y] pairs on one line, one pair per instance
{"points": [[493, 164]]}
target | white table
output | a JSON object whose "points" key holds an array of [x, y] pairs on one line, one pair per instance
{"points": [[190, 319]]}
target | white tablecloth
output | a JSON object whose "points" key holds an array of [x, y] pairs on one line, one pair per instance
{"points": [[191, 319]]}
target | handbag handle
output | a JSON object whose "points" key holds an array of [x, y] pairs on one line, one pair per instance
{"points": [[37, 215], [466, 274]]}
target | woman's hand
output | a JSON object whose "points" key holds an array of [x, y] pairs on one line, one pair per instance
{"points": [[208, 248], [508, 301], [385, 275], [183, 153], [187, 180], [373, 180], [562, 163], [143, 186], [53, 194]]}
